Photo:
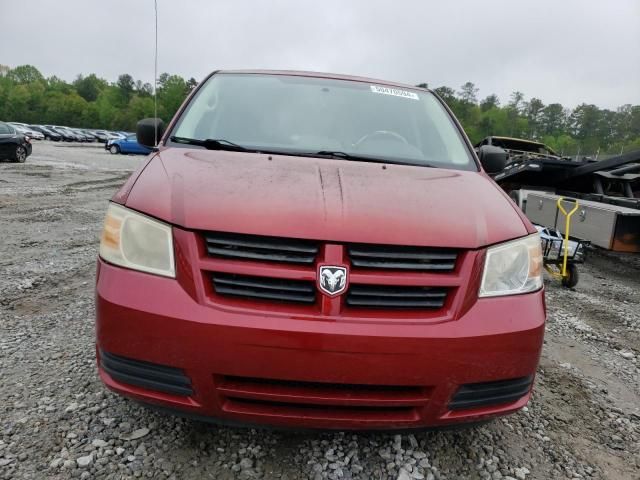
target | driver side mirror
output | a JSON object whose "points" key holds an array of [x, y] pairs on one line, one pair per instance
{"points": [[493, 159], [149, 131]]}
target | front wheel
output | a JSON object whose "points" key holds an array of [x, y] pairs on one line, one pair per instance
{"points": [[21, 154], [571, 280], [114, 149]]}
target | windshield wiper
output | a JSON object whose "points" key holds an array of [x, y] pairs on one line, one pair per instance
{"points": [[212, 144], [366, 158], [221, 144]]}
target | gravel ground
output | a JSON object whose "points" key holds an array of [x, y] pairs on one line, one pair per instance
{"points": [[58, 421]]}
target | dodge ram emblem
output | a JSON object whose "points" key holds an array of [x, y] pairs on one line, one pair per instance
{"points": [[332, 280]]}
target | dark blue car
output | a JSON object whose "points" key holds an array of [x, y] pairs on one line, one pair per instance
{"points": [[129, 144]]}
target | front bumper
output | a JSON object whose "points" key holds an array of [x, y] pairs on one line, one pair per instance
{"points": [[294, 372]]}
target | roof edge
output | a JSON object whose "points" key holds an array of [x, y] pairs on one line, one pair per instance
{"points": [[331, 76]]}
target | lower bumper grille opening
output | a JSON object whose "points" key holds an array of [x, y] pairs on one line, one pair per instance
{"points": [[473, 395], [264, 288], [396, 296], [147, 375], [322, 412], [322, 401]]}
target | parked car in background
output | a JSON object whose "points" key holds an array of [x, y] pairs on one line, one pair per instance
{"points": [[89, 137], [101, 135], [48, 133], [73, 134], [25, 130], [66, 136], [128, 144], [14, 145], [88, 134], [81, 137], [116, 136]]}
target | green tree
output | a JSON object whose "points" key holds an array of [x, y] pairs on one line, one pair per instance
{"points": [[513, 112], [126, 85], [65, 109], [144, 89], [515, 101], [25, 74], [172, 90], [58, 85], [468, 93], [109, 103], [16, 108], [447, 94], [493, 122], [584, 121], [533, 112], [553, 119], [89, 87], [489, 102]]}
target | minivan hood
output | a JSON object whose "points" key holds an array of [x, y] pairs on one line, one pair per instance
{"points": [[324, 199]]}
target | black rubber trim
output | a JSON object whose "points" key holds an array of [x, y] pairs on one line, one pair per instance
{"points": [[490, 393], [146, 375]]}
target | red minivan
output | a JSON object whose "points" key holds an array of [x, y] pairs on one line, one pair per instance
{"points": [[316, 250]]}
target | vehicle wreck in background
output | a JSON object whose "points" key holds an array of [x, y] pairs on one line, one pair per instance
{"points": [[609, 191]]}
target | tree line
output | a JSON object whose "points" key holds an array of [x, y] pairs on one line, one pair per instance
{"points": [[585, 129], [92, 102], [89, 101]]}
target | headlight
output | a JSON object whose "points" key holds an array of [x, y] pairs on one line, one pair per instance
{"points": [[513, 267], [132, 240]]}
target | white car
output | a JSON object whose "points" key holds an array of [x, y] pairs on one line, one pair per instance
{"points": [[22, 128]]}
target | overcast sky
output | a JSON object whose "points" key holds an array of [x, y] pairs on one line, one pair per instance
{"points": [[567, 51]]}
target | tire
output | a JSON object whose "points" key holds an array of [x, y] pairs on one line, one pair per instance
{"points": [[114, 149], [571, 280], [21, 154]]}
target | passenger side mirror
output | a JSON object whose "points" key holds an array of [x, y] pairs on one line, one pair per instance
{"points": [[146, 131], [493, 159]]}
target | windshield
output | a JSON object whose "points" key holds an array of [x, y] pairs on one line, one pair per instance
{"points": [[309, 115]]}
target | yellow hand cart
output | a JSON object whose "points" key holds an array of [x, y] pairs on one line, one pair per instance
{"points": [[562, 253]]}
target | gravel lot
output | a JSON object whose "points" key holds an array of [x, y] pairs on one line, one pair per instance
{"points": [[58, 421]]}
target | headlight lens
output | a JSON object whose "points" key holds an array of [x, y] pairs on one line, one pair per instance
{"points": [[132, 240], [513, 267]]}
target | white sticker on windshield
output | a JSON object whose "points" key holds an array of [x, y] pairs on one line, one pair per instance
{"points": [[395, 92]]}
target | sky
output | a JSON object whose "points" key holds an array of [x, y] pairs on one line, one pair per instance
{"points": [[566, 51]]}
